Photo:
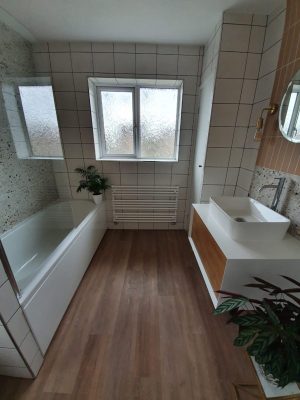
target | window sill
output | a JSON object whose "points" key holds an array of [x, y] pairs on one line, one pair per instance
{"points": [[138, 159]]}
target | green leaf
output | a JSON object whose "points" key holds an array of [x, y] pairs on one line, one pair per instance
{"points": [[260, 344], [249, 320], [272, 315], [230, 304], [264, 358], [244, 337]]}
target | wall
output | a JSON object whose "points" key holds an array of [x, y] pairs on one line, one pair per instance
{"points": [[230, 142], [205, 93], [276, 152], [26, 185], [70, 64], [278, 157]]}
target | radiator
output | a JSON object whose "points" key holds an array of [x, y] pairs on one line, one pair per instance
{"points": [[145, 203]]}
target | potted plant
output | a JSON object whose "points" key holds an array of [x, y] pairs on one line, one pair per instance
{"points": [[93, 182], [270, 328]]}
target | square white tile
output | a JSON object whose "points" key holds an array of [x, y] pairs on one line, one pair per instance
{"points": [[235, 157], [224, 114], [249, 159], [10, 358], [5, 340], [103, 62], [252, 67], [167, 64], [102, 47], [248, 91], [81, 46], [217, 157], [146, 64], [29, 348], [235, 37], [228, 90], [188, 65], [232, 175], [60, 62], [8, 301], [65, 100], [257, 39], [82, 62], [244, 179], [73, 150], [124, 63], [220, 136], [231, 65], [18, 326], [3, 276], [214, 176]]}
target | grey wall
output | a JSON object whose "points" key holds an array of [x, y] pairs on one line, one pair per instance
{"points": [[290, 201], [26, 185]]}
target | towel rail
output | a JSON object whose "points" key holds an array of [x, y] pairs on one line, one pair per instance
{"points": [[145, 203]]}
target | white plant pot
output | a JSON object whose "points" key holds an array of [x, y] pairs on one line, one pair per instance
{"points": [[97, 198]]}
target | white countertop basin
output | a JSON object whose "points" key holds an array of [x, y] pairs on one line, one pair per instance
{"points": [[245, 219]]}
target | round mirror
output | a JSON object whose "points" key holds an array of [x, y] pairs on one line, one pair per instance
{"points": [[289, 114]]}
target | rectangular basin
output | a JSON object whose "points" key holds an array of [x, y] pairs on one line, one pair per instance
{"points": [[245, 219]]}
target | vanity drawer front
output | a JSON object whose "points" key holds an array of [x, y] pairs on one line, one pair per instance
{"points": [[210, 253]]}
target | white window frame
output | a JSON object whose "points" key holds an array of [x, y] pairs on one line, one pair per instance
{"points": [[96, 85]]}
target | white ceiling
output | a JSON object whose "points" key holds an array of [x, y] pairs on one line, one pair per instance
{"points": [[156, 21]]}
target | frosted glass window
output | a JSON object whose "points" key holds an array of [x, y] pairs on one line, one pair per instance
{"points": [[41, 121], [117, 115], [136, 119], [158, 117]]}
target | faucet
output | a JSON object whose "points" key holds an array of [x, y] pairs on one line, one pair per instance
{"points": [[278, 187]]}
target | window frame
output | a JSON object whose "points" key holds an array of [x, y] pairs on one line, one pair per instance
{"points": [[97, 85]]}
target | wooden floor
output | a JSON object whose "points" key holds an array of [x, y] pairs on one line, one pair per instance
{"points": [[140, 327]]}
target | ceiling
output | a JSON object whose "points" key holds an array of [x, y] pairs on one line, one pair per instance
{"points": [[156, 21]]}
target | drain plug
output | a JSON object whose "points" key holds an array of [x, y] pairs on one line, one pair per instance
{"points": [[239, 219]]}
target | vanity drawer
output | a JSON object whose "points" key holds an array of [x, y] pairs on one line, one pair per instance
{"points": [[210, 253]]}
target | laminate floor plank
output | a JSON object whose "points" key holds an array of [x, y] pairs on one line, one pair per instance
{"points": [[140, 327]]}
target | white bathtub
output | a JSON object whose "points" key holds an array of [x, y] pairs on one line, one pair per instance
{"points": [[48, 254]]}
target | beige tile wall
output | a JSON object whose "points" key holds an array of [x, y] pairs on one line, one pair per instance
{"points": [[70, 64]]}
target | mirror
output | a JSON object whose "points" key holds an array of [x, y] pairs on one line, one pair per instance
{"points": [[289, 114]]}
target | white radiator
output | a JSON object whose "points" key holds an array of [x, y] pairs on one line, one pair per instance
{"points": [[145, 203]]}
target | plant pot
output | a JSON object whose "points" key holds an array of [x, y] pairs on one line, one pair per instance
{"points": [[97, 198]]}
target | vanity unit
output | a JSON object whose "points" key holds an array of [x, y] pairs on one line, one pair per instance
{"points": [[232, 245]]}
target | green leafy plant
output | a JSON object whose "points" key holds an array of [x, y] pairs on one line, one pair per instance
{"points": [[270, 328], [93, 182]]}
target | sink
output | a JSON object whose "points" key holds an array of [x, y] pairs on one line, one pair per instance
{"points": [[246, 219]]}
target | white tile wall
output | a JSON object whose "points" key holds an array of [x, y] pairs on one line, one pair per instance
{"points": [[70, 66], [16, 342], [245, 74]]}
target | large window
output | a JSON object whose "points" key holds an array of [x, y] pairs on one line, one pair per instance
{"points": [[136, 120]]}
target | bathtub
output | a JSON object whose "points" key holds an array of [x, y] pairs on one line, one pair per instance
{"points": [[48, 254]]}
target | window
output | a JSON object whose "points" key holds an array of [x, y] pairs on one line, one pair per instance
{"points": [[39, 113], [136, 119]]}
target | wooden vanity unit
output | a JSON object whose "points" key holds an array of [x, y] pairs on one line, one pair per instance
{"points": [[228, 265], [212, 257]]}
